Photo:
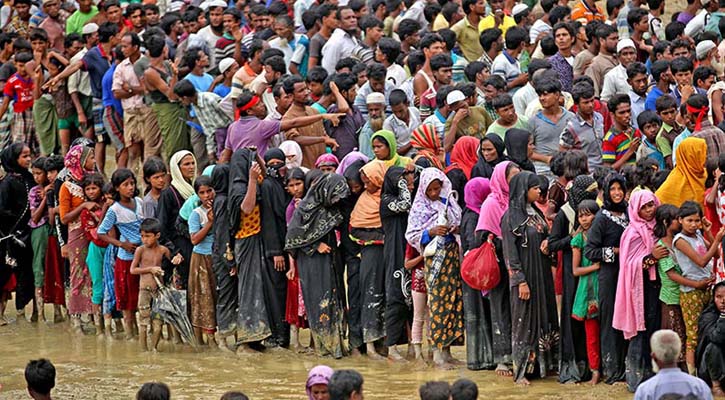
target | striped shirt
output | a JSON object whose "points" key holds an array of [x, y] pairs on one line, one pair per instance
{"points": [[616, 143], [127, 221]]}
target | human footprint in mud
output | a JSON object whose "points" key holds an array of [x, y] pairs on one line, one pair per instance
{"points": [[147, 262]]}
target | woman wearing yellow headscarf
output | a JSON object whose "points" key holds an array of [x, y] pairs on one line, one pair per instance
{"points": [[687, 180]]}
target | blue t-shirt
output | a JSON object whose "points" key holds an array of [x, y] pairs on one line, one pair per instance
{"points": [[96, 64], [108, 99], [127, 221], [201, 83], [222, 90], [195, 224]]}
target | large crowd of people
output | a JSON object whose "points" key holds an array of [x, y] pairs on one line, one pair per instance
{"points": [[542, 181]]}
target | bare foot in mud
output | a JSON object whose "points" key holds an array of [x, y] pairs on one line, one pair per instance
{"points": [[420, 362], [355, 353], [303, 349], [245, 349], [375, 356], [503, 370], [445, 366], [595, 378], [523, 382], [394, 355]]}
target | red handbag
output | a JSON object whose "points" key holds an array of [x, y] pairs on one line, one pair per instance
{"points": [[480, 267]]}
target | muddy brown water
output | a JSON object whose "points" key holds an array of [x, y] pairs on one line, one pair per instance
{"points": [[96, 368]]}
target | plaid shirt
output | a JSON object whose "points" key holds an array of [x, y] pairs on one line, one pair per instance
{"points": [[714, 137], [211, 117], [18, 26]]}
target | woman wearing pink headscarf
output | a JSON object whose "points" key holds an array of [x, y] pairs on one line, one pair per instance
{"points": [[317, 381], [636, 308], [489, 222]]}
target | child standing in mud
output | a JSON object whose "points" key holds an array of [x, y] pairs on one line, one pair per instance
{"points": [[147, 262]]}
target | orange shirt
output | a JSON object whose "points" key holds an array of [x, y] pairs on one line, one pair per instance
{"points": [[583, 12], [69, 198]]}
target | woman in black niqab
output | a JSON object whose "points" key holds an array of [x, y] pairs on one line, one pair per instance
{"points": [[517, 148], [223, 255], [15, 255]]}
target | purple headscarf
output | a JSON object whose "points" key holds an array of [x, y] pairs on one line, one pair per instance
{"points": [[349, 159], [476, 191], [424, 212], [319, 375], [496, 203]]}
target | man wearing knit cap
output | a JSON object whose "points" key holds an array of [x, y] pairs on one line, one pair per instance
{"points": [[522, 15], [222, 84], [615, 81], [376, 116], [707, 53]]}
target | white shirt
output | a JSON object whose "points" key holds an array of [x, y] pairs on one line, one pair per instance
{"points": [[402, 130], [615, 81], [536, 29], [396, 74], [288, 48], [415, 12], [267, 97], [523, 97], [210, 38], [338, 46], [697, 24]]}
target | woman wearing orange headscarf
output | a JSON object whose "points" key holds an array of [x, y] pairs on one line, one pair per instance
{"points": [[427, 143], [687, 180], [366, 228]]}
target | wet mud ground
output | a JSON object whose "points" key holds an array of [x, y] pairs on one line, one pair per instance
{"points": [[96, 368]]}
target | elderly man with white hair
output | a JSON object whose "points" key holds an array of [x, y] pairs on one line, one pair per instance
{"points": [[666, 347]]}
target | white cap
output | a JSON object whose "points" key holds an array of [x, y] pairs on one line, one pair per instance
{"points": [[213, 3], [704, 2], [89, 28], [375, 98], [518, 9], [225, 64], [454, 97], [703, 48], [625, 43]]}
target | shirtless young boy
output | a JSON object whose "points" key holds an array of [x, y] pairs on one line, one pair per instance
{"points": [[147, 263]]}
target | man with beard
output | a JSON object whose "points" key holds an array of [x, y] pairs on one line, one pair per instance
{"points": [[638, 80], [53, 23], [376, 116], [343, 39], [345, 133], [214, 31], [310, 136], [615, 81], [173, 28]]}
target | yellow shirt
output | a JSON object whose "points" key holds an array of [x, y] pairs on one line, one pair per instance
{"points": [[440, 23], [467, 37], [490, 22]]}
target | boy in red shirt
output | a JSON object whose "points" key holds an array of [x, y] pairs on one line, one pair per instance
{"points": [[19, 88]]}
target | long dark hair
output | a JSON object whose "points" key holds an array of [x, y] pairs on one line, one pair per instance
{"points": [[119, 176], [664, 216]]}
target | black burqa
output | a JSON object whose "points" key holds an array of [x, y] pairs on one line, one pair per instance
{"points": [[226, 285], [535, 330], [174, 233], [394, 206], [273, 206], [483, 168], [573, 361], [517, 148], [14, 218], [350, 253], [604, 236], [314, 222], [252, 316], [476, 307]]}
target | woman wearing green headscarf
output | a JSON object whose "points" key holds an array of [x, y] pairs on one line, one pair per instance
{"points": [[386, 149]]}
